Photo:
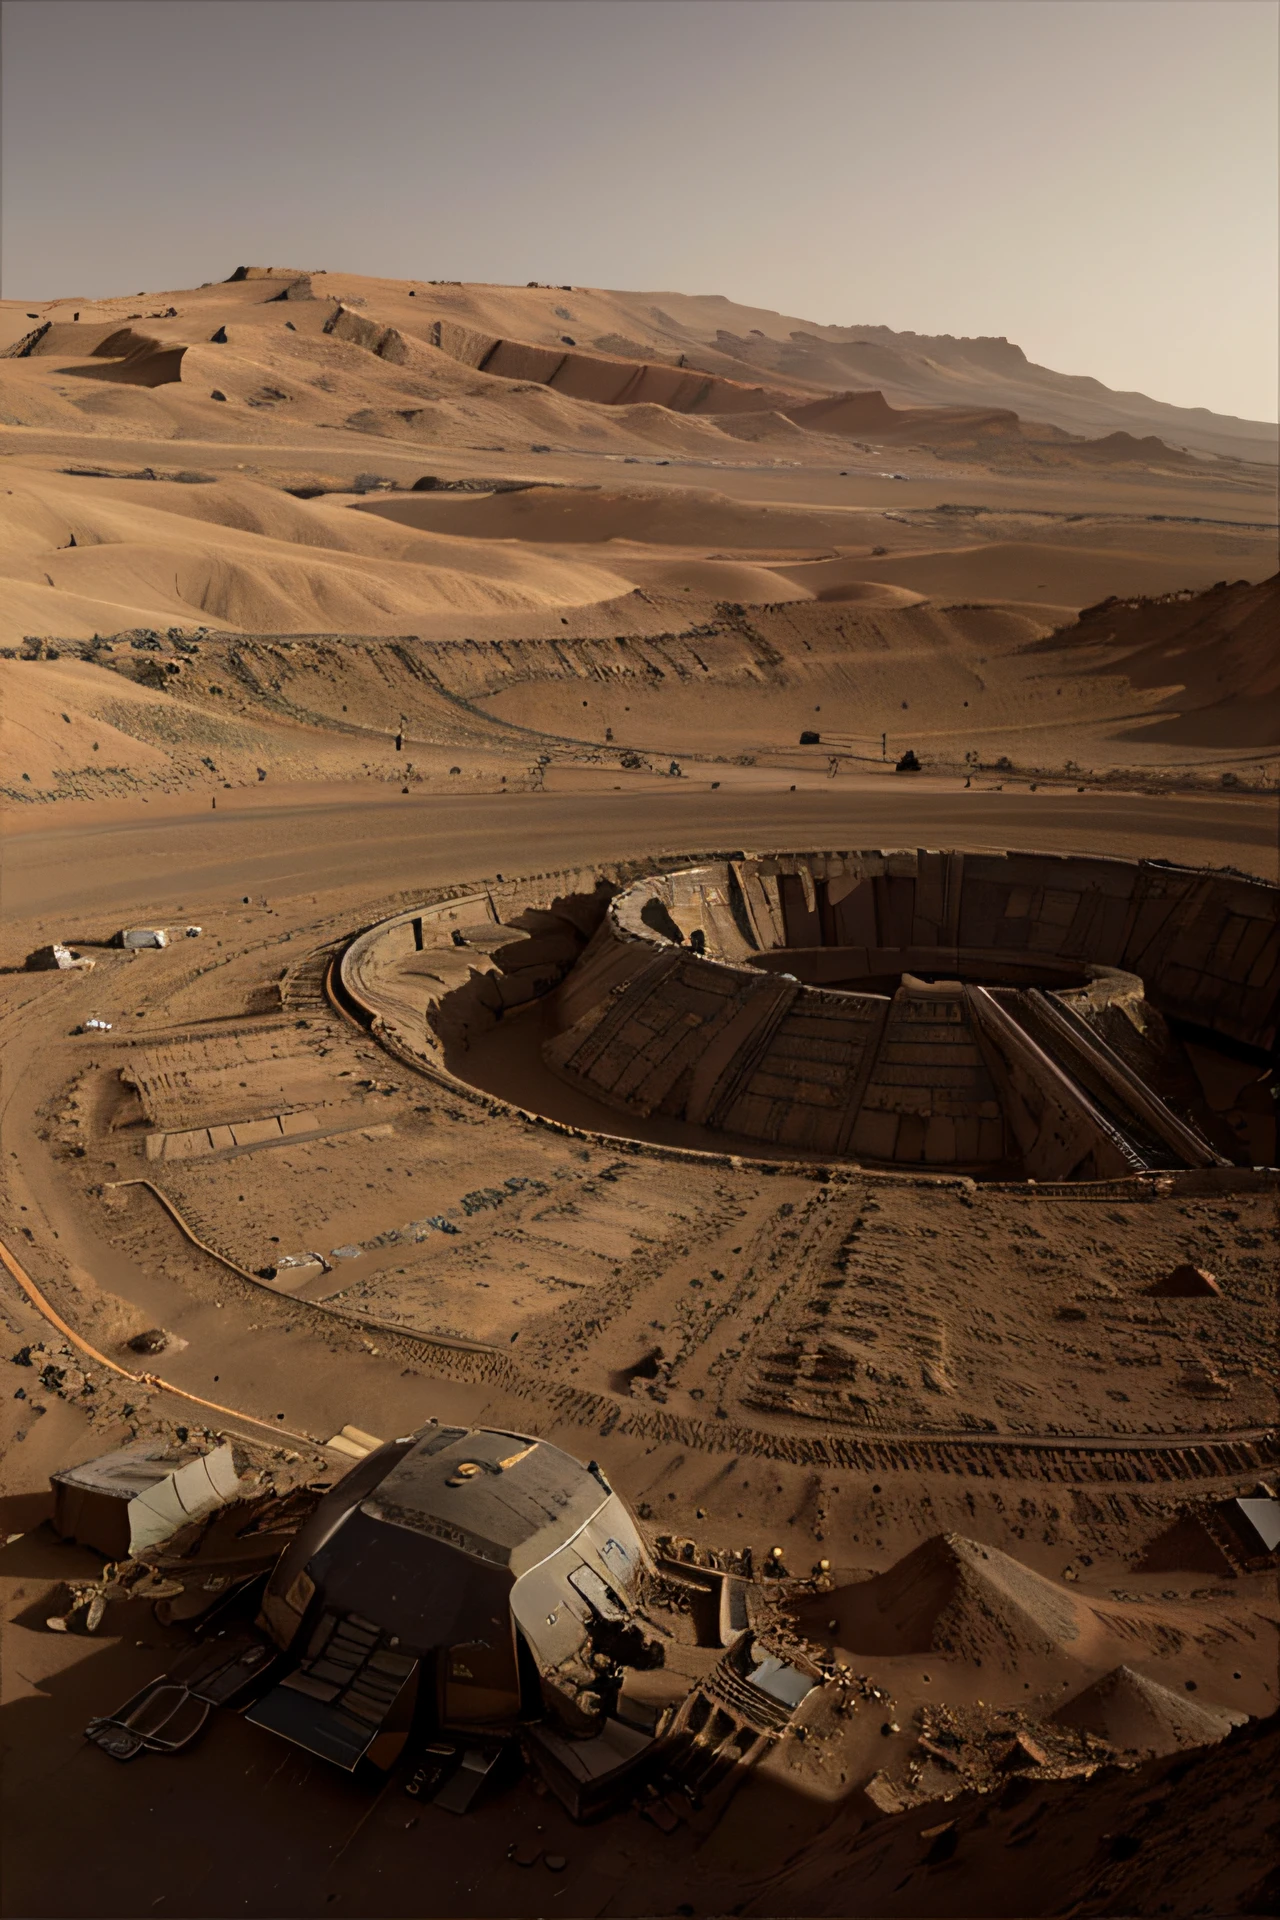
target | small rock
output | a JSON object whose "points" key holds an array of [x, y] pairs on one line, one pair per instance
{"points": [[1184, 1282], [943, 1845], [555, 1862], [1023, 1751]]}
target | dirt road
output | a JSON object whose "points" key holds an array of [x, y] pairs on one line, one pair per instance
{"points": [[155, 858]]}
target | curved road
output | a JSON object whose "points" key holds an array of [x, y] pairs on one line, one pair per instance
{"points": [[367, 843]]}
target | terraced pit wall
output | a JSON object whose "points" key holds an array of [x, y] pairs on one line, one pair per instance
{"points": [[692, 993]]}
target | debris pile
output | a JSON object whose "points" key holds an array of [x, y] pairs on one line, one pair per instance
{"points": [[59, 958], [184, 1527]]}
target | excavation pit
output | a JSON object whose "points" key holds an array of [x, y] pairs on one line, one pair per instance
{"points": [[998, 1015]]}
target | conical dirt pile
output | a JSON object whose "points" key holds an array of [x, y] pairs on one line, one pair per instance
{"points": [[952, 1595], [1141, 1716]]}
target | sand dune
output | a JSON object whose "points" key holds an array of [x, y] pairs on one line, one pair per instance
{"points": [[671, 652], [703, 579], [1036, 573], [863, 414], [840, 579], [326, 377], [269, 567], [680, 515]]}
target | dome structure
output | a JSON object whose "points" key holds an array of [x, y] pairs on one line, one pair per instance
{"points": [[459, 1578]]}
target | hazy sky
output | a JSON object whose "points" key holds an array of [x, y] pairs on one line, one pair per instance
{"points": [[1095, 179]]}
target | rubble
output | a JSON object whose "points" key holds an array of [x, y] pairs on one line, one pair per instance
{"points": [[59, 958], [1185, 1282]]}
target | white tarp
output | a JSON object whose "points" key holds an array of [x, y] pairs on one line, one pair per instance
{"points": [[1263, 1515], [183, 1495]]}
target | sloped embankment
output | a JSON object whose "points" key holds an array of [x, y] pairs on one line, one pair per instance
{"points": [[1215, 653]]}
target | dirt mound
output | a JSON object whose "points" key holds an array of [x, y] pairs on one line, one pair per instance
{"points": [[1141, 1716], [867, 412], [1213, 654], [1129, 449], [952, 1595], [870, 412]]}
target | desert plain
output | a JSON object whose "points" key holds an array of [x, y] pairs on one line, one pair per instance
{"points": [[335, 607]]}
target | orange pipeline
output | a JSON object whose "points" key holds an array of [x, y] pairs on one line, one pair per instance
{"points": [[153, 1380]]}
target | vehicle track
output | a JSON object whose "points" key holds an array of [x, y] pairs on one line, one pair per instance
{"points": [[1079, 1459]]}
